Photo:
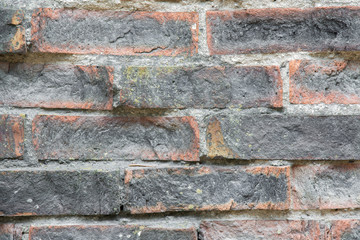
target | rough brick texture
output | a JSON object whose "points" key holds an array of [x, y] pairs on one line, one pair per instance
{"points": [[332, 81], [280, 230], [134, 232], [10, 232], [206, 188], [201, 87], [12, 31], [56, 86], [11, 136], [60, 192], [284, 137], [326, 186], [283, 30], [86, 138], [110, 32]]}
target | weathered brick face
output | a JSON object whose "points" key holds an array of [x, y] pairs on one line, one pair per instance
{"points": [[201, 87], [110, 32], [133, 232], [11, 136], [326, 187], [282, 230], [284, 137], [283, 30], [111, 138], [313, 82], [10, 232], [26, 193], [12, 31], [180, 120], [205, 189], [56, 86]]}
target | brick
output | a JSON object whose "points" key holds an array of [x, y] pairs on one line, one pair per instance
{"points": [[107, 138], [111, 32], [42, 192], [280, 229], [201, 87], [283, 30], [8, 231], [284, 137], [131, 232], [12, 32], [11, 136], [206, 189], [326, 186], [56, 86], [326, 81]]}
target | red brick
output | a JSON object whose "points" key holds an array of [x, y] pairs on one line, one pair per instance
{"points": [[201, 87], [46, 193], [130, 232], [11, 136], [110, 32], [330, 81], [327, 186], [8, 231], [12, 31], [280, 229], [56, 86], [283, 30], [271, 137], [107, 138], [153, 190]]}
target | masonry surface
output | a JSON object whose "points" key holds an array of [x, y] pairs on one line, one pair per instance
{"points": [[180, 120]]}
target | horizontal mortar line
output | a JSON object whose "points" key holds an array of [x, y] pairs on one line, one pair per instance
{"points": [[190, 216], [290, 110], [124, 164], [251, 59], [177, 7]]}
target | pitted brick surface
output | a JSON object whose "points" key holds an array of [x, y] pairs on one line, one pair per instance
{"points": [[111, 32], [56, 86]]}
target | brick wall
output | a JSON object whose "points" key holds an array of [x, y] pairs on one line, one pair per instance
{"points": [[181, 120]]}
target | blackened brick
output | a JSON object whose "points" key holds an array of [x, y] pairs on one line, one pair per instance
{"points": [[12, 32], [131, 232], [41, 192], [283, 30], [111, 32], [201, 87], [56, 86], [9, 231], [206, 188], [280, 230], [284, 137], [326, 81], [97, 138], [11, 136], [334, 186]]}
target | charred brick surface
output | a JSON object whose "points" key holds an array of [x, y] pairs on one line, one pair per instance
{"points": [[10, 231], [283, 30], [284, 137], [56, 86], [201, 87], [111, 32], [326, 187], [11, 136], [42, 192], [87, 138], [279, 230], [205, 188], [134, 232], [326, 81], [12, 31]]}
